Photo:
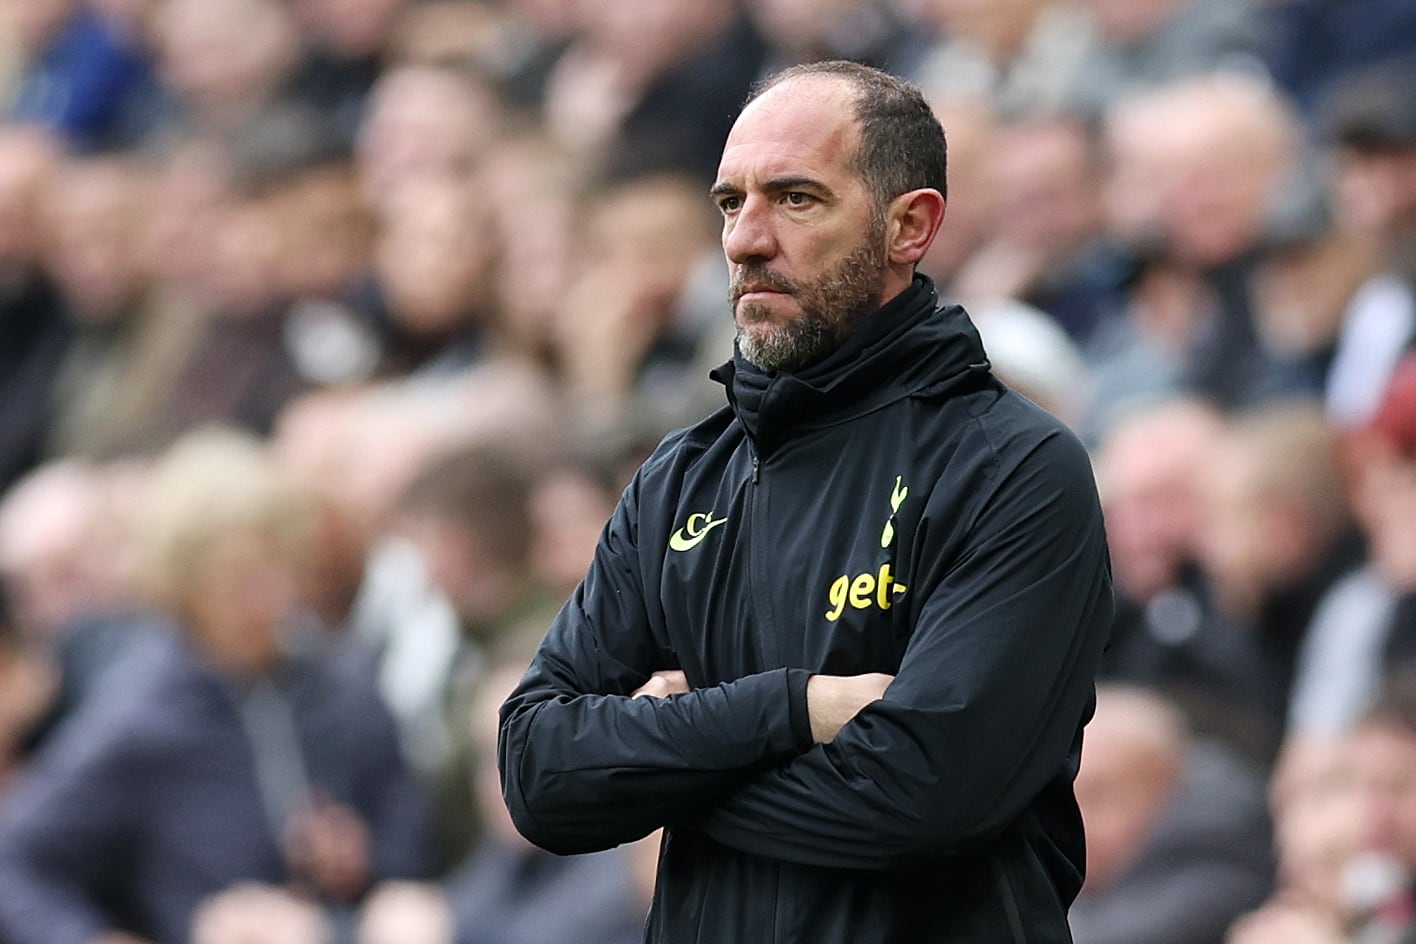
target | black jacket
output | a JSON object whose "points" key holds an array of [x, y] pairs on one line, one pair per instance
{"points": [[892, 509]]}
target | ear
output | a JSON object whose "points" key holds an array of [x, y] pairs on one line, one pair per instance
{"points": [[912, 220]]}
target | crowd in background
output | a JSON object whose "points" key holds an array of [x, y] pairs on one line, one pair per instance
{"points": [[330, 331]]}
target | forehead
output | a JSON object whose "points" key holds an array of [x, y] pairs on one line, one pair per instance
{"points": [[804, 126]]}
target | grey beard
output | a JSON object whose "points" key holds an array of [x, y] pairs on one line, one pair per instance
{"points": [[833, 308], [790, 346]]}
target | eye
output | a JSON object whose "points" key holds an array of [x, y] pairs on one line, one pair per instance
{"points": [[730, 203], [797, 198]]}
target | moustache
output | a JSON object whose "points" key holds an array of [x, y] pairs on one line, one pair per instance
{"points": [[757, 278]]}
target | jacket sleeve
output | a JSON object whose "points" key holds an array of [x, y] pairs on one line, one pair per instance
{"points": [[987, 704], [62, 826], [584, 766]]}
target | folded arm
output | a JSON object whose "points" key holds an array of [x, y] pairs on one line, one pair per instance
{"points": [[986, 707], [584, 764]]}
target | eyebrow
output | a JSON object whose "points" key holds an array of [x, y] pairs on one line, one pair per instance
{"points": [[775, 185]]}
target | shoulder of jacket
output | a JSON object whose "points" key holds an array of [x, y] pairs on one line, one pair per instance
{"points": [[684, 443]]}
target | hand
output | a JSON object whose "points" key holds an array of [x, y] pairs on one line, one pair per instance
{"points": [[405, 913], [832, 700], [328, 848], [662, 684], [258, 914]]}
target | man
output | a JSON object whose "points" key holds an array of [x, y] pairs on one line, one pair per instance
{"points": [[838, 638]]}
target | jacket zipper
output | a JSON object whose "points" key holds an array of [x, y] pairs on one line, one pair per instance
{"points": [[758, 592], [758, 554]]}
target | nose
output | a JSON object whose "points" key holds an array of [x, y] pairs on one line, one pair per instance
{"points": [[748, 235]]}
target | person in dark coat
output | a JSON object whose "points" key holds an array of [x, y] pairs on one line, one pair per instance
{"points": [[861, 607]]}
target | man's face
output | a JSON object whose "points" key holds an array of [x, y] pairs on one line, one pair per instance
{"points": [[804, 241]]}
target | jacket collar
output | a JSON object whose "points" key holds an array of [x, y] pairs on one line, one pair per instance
{"points": [[910, 346]]}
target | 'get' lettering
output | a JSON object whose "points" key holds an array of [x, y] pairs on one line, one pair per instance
{"points": [[862, 592]]}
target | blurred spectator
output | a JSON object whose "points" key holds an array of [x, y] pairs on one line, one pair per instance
{"points": [[28, 683], [1301, 293], [1371, 122], [127, 343], [430, 302], [1148, 469], [508, 891], [421, 123], [529, 177], [84, 72], [237, 367], [570, 503], [345, 41], [1047, 247], [467, 513], [67, 556], [620, 330], [868, 31], [1151, 469], [1134, 45], [250, 913], [1018, 55], [1380, 888], [1031, 354], [46, 523], [969, 127], [35, 332], [1318, 824], [226, 753], [1276, 534], [1362, 630], [1178, 836], [222, 61], [653, 88]]}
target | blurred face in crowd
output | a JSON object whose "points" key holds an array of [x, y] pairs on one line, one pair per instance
{"points": [[1043, 176], [1240, 529], [46, 522], [1300, 293], [434, 259], [1375, 190], [423, 123], [1149, 470], [1130, 766], [225, 57], [804, 241], [1384, 498], [239, 593], [1383, 757], [1233, 140], [647, 235], [93, 251]]}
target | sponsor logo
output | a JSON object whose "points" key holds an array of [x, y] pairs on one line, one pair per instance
{"points": [[863, 591], [694, 530], [878, 589], [897, 498]]}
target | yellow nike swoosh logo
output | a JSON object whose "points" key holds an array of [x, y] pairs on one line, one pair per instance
{"points": [[694, 531]]}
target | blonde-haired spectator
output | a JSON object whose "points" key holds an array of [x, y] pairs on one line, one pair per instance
{"points": [[231, 748]]}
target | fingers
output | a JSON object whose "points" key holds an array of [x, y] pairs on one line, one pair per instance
{"points": [[662, 684]]}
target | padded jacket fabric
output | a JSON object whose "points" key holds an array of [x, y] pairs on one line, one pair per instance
{"points": [[893, 509]]}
